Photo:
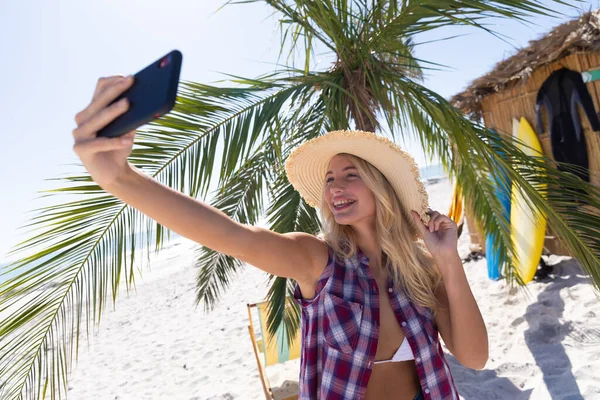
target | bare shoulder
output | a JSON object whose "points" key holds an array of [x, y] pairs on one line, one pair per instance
{"points": [[317, 250]]}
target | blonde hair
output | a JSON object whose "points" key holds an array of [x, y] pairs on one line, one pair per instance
{"points": [[407, 261]]}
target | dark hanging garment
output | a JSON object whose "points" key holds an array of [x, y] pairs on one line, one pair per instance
{"points": [[560, 94]]}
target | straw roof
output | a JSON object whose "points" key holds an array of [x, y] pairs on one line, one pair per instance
{"points": [[579, 35]]}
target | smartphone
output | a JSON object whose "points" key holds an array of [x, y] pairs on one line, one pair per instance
{"points": [[151, 95]]}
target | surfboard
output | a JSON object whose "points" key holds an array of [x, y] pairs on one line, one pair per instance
{"points": [[457, 210], [590, 76], [492, 254], [528, 226]]}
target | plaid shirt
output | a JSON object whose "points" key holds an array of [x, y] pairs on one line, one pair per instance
{"points": [[340, 329]]}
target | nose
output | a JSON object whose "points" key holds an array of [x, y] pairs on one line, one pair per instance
{"points": [[336, 187]]}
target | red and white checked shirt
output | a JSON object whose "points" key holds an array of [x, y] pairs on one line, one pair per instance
{"points": [[340, 329]]}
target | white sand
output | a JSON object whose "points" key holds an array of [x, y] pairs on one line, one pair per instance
{"points": [[157, 345]]}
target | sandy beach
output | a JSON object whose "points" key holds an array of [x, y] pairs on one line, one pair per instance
{"points": [[158, 345]]}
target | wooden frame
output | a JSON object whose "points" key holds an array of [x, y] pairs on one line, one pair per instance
{"points": [[264, 379]]}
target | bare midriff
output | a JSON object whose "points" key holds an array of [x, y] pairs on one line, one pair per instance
{"points": [[393, 381]]}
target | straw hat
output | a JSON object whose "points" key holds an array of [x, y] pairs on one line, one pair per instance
{"points": [[307, 165]]}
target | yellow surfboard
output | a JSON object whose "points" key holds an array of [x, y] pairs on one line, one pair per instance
{"points": [[457, 211], [528, 226]]}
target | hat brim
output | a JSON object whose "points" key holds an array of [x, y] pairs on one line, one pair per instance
{"points": [[307, 165]]}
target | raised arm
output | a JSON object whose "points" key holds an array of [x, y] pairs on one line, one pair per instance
{"points": [[295, 255]]}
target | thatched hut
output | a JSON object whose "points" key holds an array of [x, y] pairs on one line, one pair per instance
{"points": [[510, 89]]}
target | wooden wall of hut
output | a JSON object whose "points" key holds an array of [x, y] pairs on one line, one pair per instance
{"points": [[519, 101]]}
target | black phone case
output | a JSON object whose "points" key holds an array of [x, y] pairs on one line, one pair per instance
{"points": [[151, 95]]}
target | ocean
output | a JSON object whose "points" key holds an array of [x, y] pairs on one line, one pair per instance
{"points": [[432, 171]]}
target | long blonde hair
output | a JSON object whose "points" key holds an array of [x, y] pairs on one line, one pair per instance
{"points": [[407, 261]]}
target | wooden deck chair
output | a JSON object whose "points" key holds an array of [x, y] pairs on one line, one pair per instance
{"points": [[274, 350]]}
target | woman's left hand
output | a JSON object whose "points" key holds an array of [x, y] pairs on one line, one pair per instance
{"points": [[440, 235]]}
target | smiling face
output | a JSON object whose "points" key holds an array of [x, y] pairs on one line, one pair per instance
{"points": [[346, 194]]}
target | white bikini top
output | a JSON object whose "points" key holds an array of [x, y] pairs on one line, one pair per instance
{"points": [[404, 353]]}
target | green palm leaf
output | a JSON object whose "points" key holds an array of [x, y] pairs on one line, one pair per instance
{"points": [[441, 127], [241, 198], [243, 135], [282, 309], [90, 244], [288, 213]]}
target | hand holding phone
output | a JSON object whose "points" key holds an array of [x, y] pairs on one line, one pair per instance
{"points": [[106, 127], [152, 95]]}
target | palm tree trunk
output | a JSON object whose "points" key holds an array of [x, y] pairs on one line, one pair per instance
{"points": [[364, 122]]}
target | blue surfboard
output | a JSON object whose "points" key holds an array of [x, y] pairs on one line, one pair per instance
{"points": [[493, 256]]}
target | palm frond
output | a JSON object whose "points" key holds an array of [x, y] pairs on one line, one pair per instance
{"points": [[241, 198], [478, 157], [43, 304], [216, 270], [244, 133], [239, 118], [283, 309], [91, 244], [288, 212], [415, 17]]}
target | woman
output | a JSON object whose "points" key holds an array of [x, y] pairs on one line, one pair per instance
{"points": [[373, 295]]}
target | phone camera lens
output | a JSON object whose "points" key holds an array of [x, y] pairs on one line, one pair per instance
{"points": [[164, 62]]}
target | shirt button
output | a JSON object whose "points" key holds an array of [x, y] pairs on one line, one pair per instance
{"points": [[403, 323], [390, 290], [427, 391], [418, 359]]}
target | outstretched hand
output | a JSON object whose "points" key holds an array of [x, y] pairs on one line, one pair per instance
{"points": [[104, 158], [440, 235]]}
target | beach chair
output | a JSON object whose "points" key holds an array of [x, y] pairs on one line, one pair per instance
{"points": [[271, 350]]}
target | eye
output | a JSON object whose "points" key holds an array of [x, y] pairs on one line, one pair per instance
{"points": [[328, 179], [353, 175]]}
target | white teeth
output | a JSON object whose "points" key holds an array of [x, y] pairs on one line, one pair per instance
{"points": [[341, 202]]}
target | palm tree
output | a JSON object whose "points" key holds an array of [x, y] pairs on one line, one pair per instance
{"points": [[375, 81]]}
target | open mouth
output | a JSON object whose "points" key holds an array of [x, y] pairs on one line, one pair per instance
{"points": [[344, 205]]}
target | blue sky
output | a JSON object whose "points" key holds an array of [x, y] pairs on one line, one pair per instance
{"points": [[54, 53]]}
